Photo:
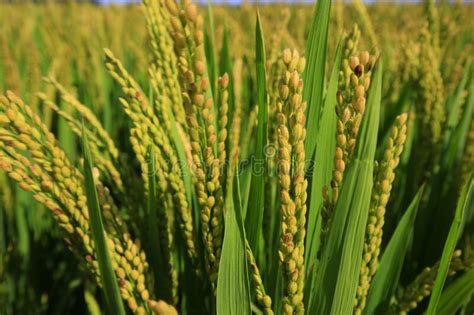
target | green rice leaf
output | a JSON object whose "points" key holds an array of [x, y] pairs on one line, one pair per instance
{"points": [[233, 289], [456, 295], [322, 173], [107, 274], [225, 60], [314, 75], [225, 66], [338, 274], [449, 248], [388, 272], [254, 217], [365, 149]]}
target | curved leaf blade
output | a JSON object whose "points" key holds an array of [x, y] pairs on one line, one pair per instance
{"points": [[457, 294], [338, 273], [388, 272], [233, 289], [254, 217], [449, 247], [314, 75], [107, 274], [322, 173]]}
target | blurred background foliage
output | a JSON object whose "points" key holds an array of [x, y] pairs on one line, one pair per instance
{"points": [[66, 40]]}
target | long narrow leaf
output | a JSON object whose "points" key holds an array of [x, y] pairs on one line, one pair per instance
{"points": [[323, 162], [457, 294], [352, 248], [225, 66], [233, 289], [388, 272], [338, 274], [353, 205], [366, 145], [254, 218], [449, 247], [107, 274], [314, 76]]}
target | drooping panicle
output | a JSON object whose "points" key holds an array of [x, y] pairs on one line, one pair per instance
{"points": [[291, 173]]}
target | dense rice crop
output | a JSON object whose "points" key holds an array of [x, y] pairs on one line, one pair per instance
{"points": [[176, 159]]}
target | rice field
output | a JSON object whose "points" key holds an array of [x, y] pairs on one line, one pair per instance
{"points": [[170, 158]]}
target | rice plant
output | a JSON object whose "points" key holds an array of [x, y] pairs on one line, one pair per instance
{"points": [[327, 171]]}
